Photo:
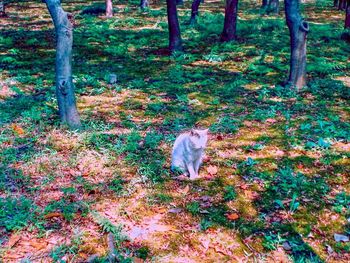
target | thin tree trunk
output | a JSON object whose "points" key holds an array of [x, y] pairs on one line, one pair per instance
{"points": [[274, 7], [264, 3], [2, 9], [109, 8], [175, 42], [346, 34], [344, 5], [64, 85], [347, 18], [335, 3], [144, 4], [194, 11], [341, 4], [298, 29], [229, 32]]}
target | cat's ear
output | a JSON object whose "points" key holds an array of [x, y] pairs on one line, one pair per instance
{"points": [[193, 132]]}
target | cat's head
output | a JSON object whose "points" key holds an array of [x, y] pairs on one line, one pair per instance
{"points": [[199, 138]]}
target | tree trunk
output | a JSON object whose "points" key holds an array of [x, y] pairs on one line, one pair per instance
{"points": [[64, 85], [144, 4], [274, 7], [264, 4], [194, 11], [341, 4], [175, 42], [2, 9], [109, 8], [344, 5], [229, 32], [346, 34], [347, 18], [298, 29], [335, 3]]}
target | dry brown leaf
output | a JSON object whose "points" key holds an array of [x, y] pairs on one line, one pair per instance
{"points": [[160, 210], [205, 243], [300, 166], [270, 120], [13, 256], [250, 194], [53, 214], [212, 169], [38, 245], [219, 137], [185, 190], [244, 186], [17, 129], [232, 216], [13, 240], [138, 260]]}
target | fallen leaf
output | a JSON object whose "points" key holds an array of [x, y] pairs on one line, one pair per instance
{"points": [[14, 256], [250, 194], [233, 216], [185, 190], [38, 245], [270, 120], [53, 214], [17, 129], [13, 240], [205, 243], [212, 169], [243, 186], [248, 123], [300, 166], [160, 210]]}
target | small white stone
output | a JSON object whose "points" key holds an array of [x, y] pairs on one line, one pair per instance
{"points": [[341, 238], [112, 78]]}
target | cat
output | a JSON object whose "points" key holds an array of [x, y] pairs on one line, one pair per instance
{"points": [[188, 151]]}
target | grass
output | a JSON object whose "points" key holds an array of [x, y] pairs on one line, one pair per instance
{"points": [[282, 157]]}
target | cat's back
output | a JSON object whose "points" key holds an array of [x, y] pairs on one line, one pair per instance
{"points": [[181, 139]]}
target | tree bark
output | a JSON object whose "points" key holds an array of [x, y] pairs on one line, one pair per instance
{"points": [[335, 3], [298, 29], [144, 4], [346, 34], [109, 8], [347, 18], [264, 4], [274, 7], [64, 84], [344, 4], [2, 9], [341, 4], [194, 11], [229, 32], [175, 41]]}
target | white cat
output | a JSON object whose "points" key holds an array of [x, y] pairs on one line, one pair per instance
{"points": [[188, 152]]}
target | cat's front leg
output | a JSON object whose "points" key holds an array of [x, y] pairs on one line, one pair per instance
{"points": [[197, 164], [193, 174]]}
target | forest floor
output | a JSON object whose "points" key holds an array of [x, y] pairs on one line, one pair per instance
{"points": [[274, 185]]}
